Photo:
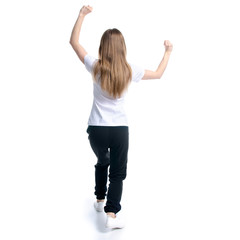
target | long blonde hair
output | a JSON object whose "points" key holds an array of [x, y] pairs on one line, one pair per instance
{"points": [[115, 72]]}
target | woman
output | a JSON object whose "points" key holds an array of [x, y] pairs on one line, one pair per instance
{"points": [[107, 125]]}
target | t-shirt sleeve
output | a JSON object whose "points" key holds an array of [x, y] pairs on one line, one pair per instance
{"points": [[137, 73], [89, 62]]}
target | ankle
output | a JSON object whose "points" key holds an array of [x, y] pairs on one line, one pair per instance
{"points": [[111, 214], [100, 200]]}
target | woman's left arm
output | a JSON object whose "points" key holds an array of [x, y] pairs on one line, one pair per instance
{"points": [[74, 40]]}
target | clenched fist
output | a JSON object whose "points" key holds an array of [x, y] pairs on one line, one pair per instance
{"points": [[168, 46], [85, 10]]}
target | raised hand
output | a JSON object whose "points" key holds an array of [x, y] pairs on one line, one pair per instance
{"points": [[168, 46], [85, 10]]}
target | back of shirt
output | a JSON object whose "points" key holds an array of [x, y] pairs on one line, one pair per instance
{"points": [[106, 110]]}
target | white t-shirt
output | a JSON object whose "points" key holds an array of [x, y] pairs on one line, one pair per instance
{"points": [[106, 110]]}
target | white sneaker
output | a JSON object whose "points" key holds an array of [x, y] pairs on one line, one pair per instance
{"points": [[99, 206], [114, 222]]}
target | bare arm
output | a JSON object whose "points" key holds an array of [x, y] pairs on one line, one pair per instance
{"points": [[163, 64], [74, 40]]}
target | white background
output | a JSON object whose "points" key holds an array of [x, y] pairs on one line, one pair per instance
{"points": [[183, 172]]}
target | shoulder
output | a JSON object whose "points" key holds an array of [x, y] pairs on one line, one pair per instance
{"points": [[137, 72], [89, 62]]}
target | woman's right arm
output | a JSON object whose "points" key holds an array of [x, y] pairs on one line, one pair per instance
{"points": [[163, 64]]}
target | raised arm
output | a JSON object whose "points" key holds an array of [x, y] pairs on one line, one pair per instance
{"points": [[163, 64], [74, 40]]}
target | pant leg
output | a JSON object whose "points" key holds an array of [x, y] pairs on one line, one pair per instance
{"points": [[99, 141], [119, 142]]}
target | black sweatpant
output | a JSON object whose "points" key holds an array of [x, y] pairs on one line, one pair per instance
{"points": [[110, 145]]}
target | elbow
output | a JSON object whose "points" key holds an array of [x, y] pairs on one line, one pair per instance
{"points": [[158, 75], [73, 43]]}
